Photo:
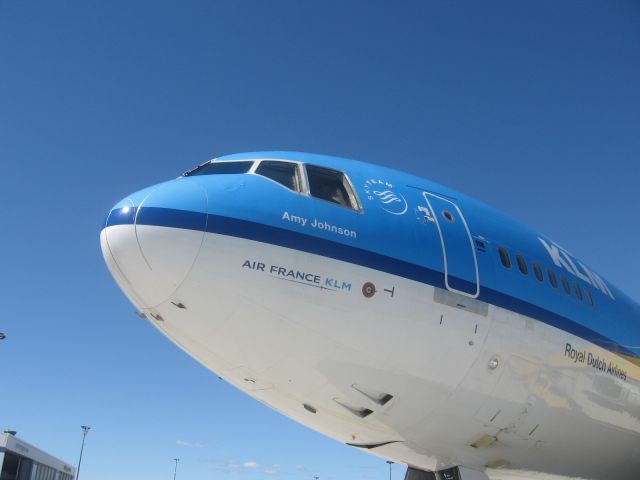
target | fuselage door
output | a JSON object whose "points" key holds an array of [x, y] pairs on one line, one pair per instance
{"points": [[460, 262]]}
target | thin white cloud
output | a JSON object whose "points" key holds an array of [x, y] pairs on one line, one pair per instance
{"points": [[229, 465], [184, 443], [274, 469], [250, 464]]}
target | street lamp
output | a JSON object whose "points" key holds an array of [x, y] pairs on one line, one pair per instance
{"points": [[2, 336], [175, 470], [390, 463], [85, 430]]}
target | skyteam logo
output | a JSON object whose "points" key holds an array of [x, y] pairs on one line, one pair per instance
{"points": [[383, 193]]}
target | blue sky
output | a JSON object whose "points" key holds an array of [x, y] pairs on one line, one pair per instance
{"points": [[532, 107]]}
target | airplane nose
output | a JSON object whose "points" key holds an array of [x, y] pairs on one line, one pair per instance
{"points": [[151, 240]]}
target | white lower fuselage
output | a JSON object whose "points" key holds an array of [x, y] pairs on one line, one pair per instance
{"points": [[317, 349]]}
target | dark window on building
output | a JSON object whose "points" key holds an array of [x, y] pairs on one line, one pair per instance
{"points": [[565, 284], [10, 466], [578, 290], [331, 185], [285, 173], [537, 270], [16, 467], [504, 257], [24, 470], [588, 296], [220, 168], [552, 278], [522, 265]]}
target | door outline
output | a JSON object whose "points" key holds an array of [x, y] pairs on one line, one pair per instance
{"points": [[444, 248]]}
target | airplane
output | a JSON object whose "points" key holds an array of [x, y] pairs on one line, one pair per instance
{"points": [[390, 313]]}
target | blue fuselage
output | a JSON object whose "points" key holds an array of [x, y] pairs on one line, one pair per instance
{"points": [[413, 228]]}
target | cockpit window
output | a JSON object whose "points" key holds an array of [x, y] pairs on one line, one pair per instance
{"points": [[220, 168], [331, 185], [285, 173]]}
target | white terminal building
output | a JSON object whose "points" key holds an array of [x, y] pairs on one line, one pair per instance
{"points": [[20, 460]]}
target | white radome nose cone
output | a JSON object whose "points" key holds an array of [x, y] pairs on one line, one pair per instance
{"points": [[151, 257]]}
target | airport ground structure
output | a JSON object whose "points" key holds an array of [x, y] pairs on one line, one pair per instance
{"points": [[20, 460]]}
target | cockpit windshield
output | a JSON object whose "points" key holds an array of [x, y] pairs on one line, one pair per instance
{"points": [[284, 173], [220, 168], [331, 185], [318, 182]]}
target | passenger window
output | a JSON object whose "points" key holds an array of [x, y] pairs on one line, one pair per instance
{"points": [[285, 173], [504, 257], [331, 185], [537, 270], [522, 265], [220, 168], [565, 284], [587, 294], [578, 290], [552, 278]]}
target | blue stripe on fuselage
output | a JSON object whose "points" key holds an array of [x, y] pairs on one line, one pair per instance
{"points": [[167, 217]]}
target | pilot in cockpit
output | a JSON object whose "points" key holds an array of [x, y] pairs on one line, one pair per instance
{"points": [[332, 191]]}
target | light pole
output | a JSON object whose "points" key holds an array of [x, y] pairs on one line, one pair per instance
{"points": [[2, 336], [390, 463], [175, 470], [85, 430]]}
